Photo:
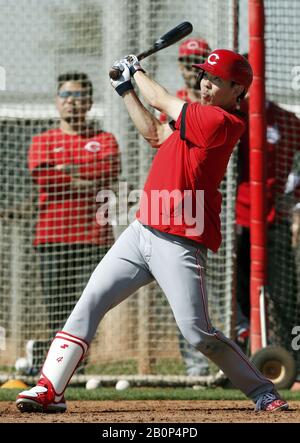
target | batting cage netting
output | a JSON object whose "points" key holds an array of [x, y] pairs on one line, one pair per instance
{"points": [[283, 170], [50, 238]]}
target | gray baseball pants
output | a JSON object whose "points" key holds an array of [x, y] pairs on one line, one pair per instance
{"points": [[142, 254]]}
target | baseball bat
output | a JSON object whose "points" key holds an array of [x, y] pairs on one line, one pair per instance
{"points": [[168, 39]]}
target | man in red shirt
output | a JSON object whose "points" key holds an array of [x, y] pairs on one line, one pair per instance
{"points": [[191, 51], [69, 165], [177, 222]]}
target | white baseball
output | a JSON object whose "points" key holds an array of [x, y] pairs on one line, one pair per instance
{"points": [[22, 365], [92, 383], [122, 384]]}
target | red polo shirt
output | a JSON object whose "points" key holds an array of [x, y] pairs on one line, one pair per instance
{"points": [[68, 214], [196, 163]]}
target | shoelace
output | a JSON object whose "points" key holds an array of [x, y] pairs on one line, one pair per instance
{"points": [[264, 400]]}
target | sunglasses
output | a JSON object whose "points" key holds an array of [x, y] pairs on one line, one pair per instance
{"points": [[79, 95]]}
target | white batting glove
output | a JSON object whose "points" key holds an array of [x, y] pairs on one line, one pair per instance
{"points": [[123, 83], [133, 64]]}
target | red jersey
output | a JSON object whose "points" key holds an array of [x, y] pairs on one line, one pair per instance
{"points": [[196, 163], [68, 214], [283, 140]]}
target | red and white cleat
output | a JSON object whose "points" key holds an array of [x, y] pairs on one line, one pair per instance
{"points": [[40, 398], [271, 402]]}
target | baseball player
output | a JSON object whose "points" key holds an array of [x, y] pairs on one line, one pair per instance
{"points": [[167, 242], [191, 51]]}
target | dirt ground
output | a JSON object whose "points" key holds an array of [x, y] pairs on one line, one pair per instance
{"points": [[163, 411]]}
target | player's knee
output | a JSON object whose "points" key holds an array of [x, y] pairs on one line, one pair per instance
{"points": [[204, 342], [208, 347]]}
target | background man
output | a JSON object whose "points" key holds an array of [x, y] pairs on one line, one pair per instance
{"points": [[69, 165]]}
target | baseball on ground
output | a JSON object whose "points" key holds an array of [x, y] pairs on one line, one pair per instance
{"points": [[92, 383], [122, 384]]}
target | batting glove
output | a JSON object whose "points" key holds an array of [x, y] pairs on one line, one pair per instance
{"points": [[123, 83], [133, 64]]}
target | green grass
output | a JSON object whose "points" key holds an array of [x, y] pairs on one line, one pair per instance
{"points": [[150, 394], [166, 366], [162, 366]]}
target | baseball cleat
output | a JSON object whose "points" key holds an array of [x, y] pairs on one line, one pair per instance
{"points": [[28, 405], [271, 402], [40, 399]]}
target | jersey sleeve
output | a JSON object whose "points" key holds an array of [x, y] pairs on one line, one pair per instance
{"points": [[41, 165], [204, 126], [38, 156]]}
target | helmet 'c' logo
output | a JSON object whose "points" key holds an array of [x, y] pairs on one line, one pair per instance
{"points": [[212, 59]]}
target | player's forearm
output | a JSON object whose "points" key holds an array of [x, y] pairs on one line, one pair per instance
{"points": [[157, 96], [81, 184], [54, 177], [145, 122], [50, 177], [106, 167], [154, 94], [80, 172]]}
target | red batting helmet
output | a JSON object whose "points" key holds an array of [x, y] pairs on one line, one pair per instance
{"points": [[194, 46], [228, 65]]}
